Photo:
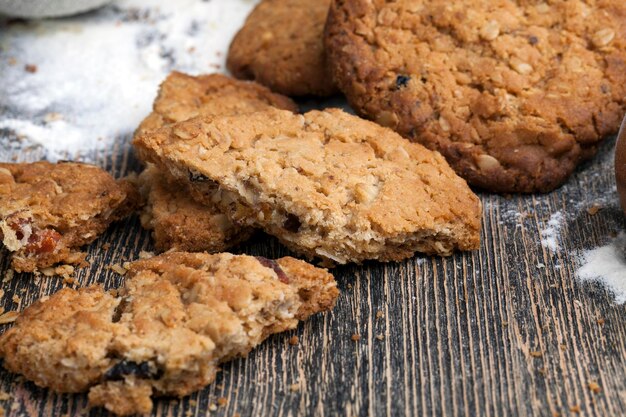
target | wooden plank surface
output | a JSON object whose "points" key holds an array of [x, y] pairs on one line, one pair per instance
{"points": [[504, 331]]}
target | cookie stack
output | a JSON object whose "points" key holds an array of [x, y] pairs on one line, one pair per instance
{"points": [[329, 185], [513, 94], [507, 95]]}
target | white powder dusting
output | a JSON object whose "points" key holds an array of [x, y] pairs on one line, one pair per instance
{"points": [[97, 74], [607, 264], [551, 234]]}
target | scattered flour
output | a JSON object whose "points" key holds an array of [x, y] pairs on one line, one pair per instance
{"points": [[97, 74], [607, 264], [550, 235]]}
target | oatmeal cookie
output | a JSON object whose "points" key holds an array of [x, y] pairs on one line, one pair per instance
{"points": [[183, 96], [164, 333], [181, 223], [177, 221], [48, 211], [281, 46], [327, 184], [513, 93]]}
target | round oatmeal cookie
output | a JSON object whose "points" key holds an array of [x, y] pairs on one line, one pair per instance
{"points": [[281, 46], [513, 93]]}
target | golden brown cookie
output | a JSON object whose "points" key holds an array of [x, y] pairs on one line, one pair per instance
{"points": [[176, 220], [513, 93], [48, 211], [164, 333], [327, 184], [179, 222], [281, 46], [182, 96]]}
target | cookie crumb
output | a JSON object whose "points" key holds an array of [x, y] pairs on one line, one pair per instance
{"points": [[600, 321], [8, 317], [212, 407], [16, 299], [575, 409], [294, 387], [30, 68], [106, 246], [8, 276], [356, 337], [69, 281], [293, 341], [594, 209], [380, 337], [380, 314], [118, 269], [536, 353], [594, 387], [145, 254], [221, 401], [47, 272]]}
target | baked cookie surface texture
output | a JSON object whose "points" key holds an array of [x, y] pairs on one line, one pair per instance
{"points": [[177, 221], [513, 93], [182, 96], [281, 46], [165, 332], [48, 211], [327, 184]]}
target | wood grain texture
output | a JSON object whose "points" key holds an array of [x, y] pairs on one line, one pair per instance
{"points": [[504, 331]]}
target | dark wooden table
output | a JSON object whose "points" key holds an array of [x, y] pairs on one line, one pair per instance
{"points": [[504, 331]]}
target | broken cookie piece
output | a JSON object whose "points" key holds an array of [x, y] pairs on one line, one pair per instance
{"points": [[179, 222], [326, 183], [176, 318], [48, 211], [183, 96]]}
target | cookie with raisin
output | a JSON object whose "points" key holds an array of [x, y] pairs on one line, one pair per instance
{"points": [[48, 211], [515, 94]]}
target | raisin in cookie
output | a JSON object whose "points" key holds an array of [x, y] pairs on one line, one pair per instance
{"points": [[48, 211], [183, 96], [165, 332], [513, 93], [281, 46], [181, 223], [327, 184]]}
